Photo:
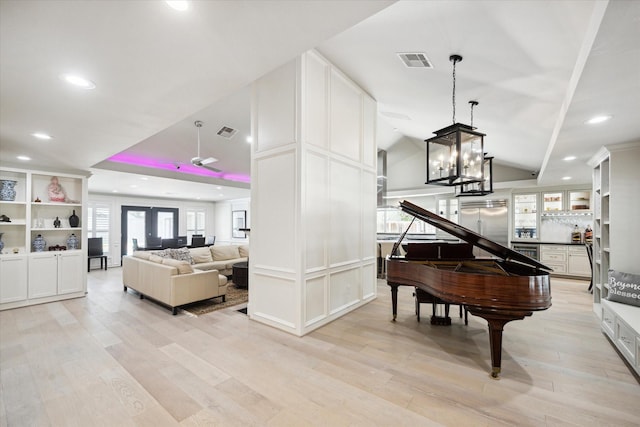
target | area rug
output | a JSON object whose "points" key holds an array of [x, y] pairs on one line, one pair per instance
{"points": [[235, 296]]}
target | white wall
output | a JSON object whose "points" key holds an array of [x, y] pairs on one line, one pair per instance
{"points": [[223, 226], [624, 205], [313, 196]]}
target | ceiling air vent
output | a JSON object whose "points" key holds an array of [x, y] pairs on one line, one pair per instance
{"points": [[226, 132], [415, 60]]}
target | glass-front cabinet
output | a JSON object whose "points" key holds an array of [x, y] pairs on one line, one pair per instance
{"points": [[552, 202], [566, 201], [552, 216], [579, 200], [525, 216]]}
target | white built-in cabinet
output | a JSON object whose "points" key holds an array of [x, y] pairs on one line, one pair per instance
{"points": [[616, 201], [29, 277], [13, 277], [566, 260], [55, 273]]}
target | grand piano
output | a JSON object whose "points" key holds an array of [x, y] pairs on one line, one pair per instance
{"points": [[508, 287]]}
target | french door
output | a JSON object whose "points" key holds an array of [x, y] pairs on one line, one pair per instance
{"points": [[145, 224]]}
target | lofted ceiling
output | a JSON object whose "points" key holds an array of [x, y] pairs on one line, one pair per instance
{"points": [[538, 69]]}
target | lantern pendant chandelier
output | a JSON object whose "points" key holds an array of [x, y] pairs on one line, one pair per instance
{"points": [[455, 156], [486, 185]]}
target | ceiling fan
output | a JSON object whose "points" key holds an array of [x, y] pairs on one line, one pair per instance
{"points": [[199, 161]]}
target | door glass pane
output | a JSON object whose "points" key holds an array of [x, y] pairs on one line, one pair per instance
{"points": [[165, 225], [136, 229]]}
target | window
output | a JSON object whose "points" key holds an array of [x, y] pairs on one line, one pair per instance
{"points": [[395, 221], [98, 223], [195, 222]]}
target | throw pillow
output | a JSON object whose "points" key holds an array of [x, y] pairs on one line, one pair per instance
{"points": [[624, 287], [221, 253], [201, 255], [163, 253], [183, 266], [181, 254]]}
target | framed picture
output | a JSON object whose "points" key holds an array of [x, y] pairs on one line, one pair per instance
{"points": [[238, 221]]}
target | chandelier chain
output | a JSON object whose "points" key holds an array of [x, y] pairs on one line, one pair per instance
{"points": [[453, 96]]}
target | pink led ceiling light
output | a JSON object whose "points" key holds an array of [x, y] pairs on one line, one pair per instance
{"points": [[186, 168]]}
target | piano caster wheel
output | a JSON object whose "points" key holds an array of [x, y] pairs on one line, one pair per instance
{"points": [[495, 373]]}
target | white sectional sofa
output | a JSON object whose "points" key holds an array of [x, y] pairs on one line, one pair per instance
{"points": [[176, 277], [219, 258]]}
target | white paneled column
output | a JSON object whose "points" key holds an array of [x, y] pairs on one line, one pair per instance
{"points": [[313, 196]]}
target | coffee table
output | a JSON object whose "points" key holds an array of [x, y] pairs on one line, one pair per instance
{"points": [[240, 274]]}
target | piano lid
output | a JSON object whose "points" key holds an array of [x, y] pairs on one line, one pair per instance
{"points": [[469, 236]]}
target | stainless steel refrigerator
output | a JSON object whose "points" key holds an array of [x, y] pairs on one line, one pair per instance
{"points": [[489, 218]]}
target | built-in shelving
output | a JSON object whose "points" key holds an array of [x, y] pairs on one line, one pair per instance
{"points": [[615, 172], [25, 273]]}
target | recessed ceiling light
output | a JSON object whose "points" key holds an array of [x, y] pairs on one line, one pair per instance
{"points": [[218, 188], [598, 119], [566, 178], [133, 186], [569, 158], [180, 5], [249, 139], [41, 135], [144, 178], [25, 158], [78, 81], [114, 191]]}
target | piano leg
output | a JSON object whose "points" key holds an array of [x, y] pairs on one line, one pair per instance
{"points": [[394, 299], [495, 341], [496, 322]]}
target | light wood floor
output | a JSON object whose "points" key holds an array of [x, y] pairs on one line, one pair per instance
{"points": [[114, 360]]}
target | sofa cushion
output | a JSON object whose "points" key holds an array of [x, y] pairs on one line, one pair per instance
{"points": [[244, 251], [224, 252], [142, 254], [201, 255], [181, 254], [156, 258], [183, 266], [213, 265]]}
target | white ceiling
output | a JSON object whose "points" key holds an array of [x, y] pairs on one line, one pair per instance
{"points": [[538, 69]]}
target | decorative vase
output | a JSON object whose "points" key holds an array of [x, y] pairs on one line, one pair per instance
{"points": [[39, 243], [74, 221], [7, 190], [56, 222], [72, 242], [1, 242]]}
